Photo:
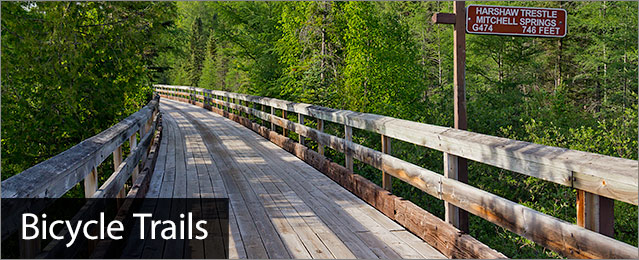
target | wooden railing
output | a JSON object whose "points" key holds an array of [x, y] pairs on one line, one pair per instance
{"points": [[595, 174], [54, 177]]}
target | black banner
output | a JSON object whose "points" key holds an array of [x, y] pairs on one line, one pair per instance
{"points": [[115, 228]]}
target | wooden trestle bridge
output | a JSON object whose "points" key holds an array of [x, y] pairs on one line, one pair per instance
{"points": [[289, 201]]}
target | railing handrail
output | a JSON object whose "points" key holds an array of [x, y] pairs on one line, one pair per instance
{"points": [[608, 176], [55, 176]]}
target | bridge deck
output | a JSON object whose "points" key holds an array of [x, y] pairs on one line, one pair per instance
{"points": [[280, 207]]}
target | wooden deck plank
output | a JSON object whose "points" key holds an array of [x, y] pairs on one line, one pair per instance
{"points": [[134, 249], [381, 247], [209, 171], [411, 253], [155, 248], [214, 247], [307, 224], [169, 169], [175, 248], [378, 247], [382, 220], [158, 172], [193, 248], [368, 211], [296, 233], [250, 237], [272, 242], [236, 244], [283, 194], [382, 229]]}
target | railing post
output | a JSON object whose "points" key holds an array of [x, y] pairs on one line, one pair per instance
{"points": [[91, 183], [348, 135], [300, 120], [454, 215], [387, 181], [284, 131], [272, 124], [117, 160], [320, 127], [251, 111], [133, 143], [595, 213]]}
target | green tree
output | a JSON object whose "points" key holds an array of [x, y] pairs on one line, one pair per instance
{"points": [[198, 52], [70, 70]]}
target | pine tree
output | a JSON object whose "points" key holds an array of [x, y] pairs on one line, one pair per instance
{"points": [[209, 71], [197, 48]]}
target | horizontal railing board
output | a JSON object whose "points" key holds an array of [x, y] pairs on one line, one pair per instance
{"points": [[55, 176], [608, 176], [116, 181], [553, 233]]}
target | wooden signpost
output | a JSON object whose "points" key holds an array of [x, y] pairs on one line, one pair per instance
{"points": [[456, 167], [593, 212]]}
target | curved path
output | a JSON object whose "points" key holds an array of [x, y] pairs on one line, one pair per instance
{"points": [[280, 207]]}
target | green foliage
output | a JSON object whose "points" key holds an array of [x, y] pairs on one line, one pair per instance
{"points": [[198, 52], [70, 70]]}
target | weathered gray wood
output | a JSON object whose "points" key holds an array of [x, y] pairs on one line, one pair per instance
{"points": [[194, 248], [158, 172], [595, 213], [91, 183], [452, 214], [154, 248], [433, 184], [320, 127], [284, 115], [307, 179], [55, 176], [272, 124], [387, 179], [273, 244], [289, 227], [215, 248], [138, 190], [266, 175], [348, 155], [236, 246], [179, 191], [320, 242], [114, 184], [133, 142], [337, 222], [599, 174], [135, 250], [300, 119], [547, 230], [117, 160], [247, 229]]}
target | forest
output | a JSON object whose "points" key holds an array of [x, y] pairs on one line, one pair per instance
{"points": [[71, 70]]}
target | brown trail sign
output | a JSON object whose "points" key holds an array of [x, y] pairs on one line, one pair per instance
{"points": [[516, 21]]}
